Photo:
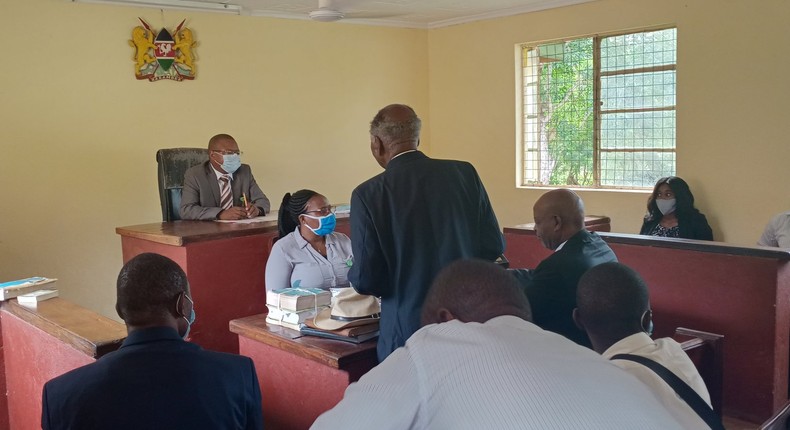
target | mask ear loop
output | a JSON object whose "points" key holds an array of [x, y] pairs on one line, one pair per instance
{"points": [[647, 315]]}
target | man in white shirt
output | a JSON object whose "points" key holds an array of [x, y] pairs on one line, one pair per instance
{"points": [[478, 363], [777, 232], [613, 306]]}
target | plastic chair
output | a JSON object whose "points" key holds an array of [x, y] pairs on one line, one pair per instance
{"points": [[172, 164]]}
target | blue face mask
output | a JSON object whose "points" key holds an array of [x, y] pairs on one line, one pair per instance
{"points": [[326, 224], [231, 162], [190, 320]]}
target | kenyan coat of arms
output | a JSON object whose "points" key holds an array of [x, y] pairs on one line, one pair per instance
{"points": [[162, 55]]}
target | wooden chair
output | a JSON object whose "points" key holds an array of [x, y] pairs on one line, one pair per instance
{"points": [[706, 351], [780, 419]]}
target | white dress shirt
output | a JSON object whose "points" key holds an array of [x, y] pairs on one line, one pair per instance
{"points": [[505, 374], [777, 232], [294, 263], [669, 354]]}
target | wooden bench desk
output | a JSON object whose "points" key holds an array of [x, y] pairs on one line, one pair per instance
{"points": [[300, 376]]}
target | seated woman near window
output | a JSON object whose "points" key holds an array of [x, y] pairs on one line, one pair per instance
{"points": [[308, 254], [671, 212]]}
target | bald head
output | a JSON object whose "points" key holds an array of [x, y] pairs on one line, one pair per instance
{"points": [[394, 129], [474, 291], [559, 214], [611, 301], [215, 142]]}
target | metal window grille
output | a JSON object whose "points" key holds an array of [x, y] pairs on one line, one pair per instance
{"points": [[599, 111]]}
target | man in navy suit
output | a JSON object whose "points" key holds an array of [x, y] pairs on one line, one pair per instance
{"points": [[410, 221], [551, 287], [156, 379]]}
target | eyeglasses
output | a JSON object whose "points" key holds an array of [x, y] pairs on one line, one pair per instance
{"points": [[227, 152], [326, 210]]}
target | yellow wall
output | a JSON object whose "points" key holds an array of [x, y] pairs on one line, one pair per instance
{"points": [[79, 134], [732, 105]]}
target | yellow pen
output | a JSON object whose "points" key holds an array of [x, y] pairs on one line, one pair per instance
{"points": [[244, 200]]}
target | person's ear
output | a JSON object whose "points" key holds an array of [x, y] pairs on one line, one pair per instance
{"points": [[119, 311], [377, 147], [647, 322], [181, 308], [418, 143], [445, 315], [557, 222], [577, 319]]}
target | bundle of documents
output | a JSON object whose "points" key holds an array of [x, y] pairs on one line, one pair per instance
{"points": [[291, 307], [356, 334], [11, 289], [298, 299], [32, 299], [292, 320]]}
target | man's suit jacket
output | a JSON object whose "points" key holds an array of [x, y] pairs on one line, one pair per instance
{"points": [[409, 222], [156, 381], [551, 287], [200, 197]]}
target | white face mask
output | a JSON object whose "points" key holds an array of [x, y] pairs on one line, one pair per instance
{"points": [[666, 206]]}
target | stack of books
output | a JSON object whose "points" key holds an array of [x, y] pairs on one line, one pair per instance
{"points": [[291, 307], [11, 289], [356, 334]]}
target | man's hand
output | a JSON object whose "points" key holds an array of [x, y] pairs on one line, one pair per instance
{"points": [[233, 213], [253, 211]]}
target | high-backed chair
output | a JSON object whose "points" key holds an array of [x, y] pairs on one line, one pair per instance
{"points": [[172, 164], [706, 350]]}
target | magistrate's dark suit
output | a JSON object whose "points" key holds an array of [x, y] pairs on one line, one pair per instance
{"points": [[551, 287], [200, 197], [409, 222], [156, 381]]}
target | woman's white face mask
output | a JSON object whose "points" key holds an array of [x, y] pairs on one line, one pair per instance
{"points": [[666, 206]]}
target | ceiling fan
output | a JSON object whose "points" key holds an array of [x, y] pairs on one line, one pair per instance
{"points": [[331, 11]]}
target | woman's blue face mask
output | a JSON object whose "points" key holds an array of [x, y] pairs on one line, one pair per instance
{"points": [[326, 224]]}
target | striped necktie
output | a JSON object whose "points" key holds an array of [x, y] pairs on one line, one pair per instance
{"points": [[226, 197]]}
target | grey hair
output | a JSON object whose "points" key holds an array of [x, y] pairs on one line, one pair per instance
{"points": [[390, 130]]}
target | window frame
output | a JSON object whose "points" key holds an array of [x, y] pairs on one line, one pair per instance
{"points": [[521, 119]]}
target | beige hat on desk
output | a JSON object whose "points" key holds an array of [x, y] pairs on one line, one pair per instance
{"points": [[349, 309]]}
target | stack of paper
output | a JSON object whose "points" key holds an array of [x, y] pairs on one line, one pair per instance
{"points": [[11, 289]]}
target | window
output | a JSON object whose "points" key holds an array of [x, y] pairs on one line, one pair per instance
{"points": [[598, 112]]}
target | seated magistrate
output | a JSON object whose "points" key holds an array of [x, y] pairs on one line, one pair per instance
{"points": [[309, 253], [478, 363], [614, 308], [222, 188], [156, 379], [551, 287]]}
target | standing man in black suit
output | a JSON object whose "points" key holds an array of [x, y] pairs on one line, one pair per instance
{"points": [[551, 287], [410, 221], [156, 379], [214, 189]]}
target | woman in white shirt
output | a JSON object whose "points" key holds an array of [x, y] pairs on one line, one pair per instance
{"points": [[309, 253]]}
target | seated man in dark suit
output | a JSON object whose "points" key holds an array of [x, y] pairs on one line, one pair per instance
{"points": [[156, 379], [222, 187], [551, 287]]}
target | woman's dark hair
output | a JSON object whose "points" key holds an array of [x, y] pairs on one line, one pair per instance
{"points": [[292, 206], [684, 200]]}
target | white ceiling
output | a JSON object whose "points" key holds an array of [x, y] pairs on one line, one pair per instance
{"points": [[398, 13]]}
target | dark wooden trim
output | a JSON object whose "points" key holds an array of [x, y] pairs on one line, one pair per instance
{"points": [[180, 233], [81, 328], [685, 244], [332, 353]]}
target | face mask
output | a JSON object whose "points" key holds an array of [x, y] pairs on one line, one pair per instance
{"points": [[326, 224], [666, 206], [190, 320], [231, 162]]}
